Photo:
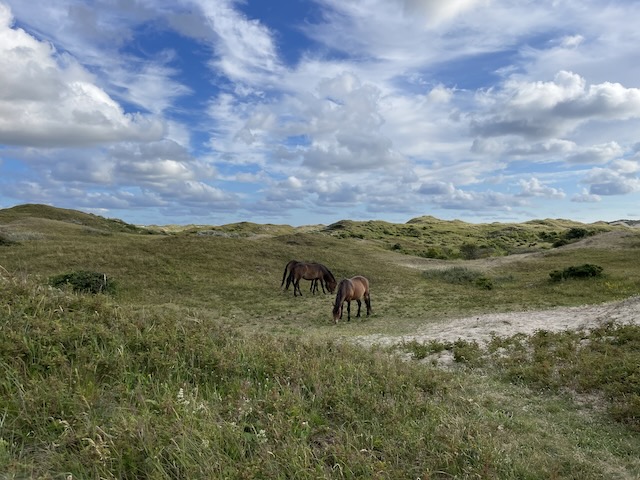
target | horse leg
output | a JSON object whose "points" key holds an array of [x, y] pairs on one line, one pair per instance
{"points": [[296, 287], [349, 311], [313, 287], [359, 305], [367, 301], [322, 285]]}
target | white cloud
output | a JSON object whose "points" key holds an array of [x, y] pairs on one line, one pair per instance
{"points": [[436, 188], [597, 154], [586, 197], [571, 41], [435, 12], [245, 50], [534, 188], [47, 99], [605, 182], [538, 110]]}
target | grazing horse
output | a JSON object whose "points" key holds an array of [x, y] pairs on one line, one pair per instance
{"points": [[313, 288], [311, 271], [355, 288]]}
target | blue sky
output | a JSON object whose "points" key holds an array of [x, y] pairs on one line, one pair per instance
{"points": [[311, 111]]}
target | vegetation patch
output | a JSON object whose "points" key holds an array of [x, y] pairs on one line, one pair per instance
{"points": [[460, 276], [84, 281], [586, 270]]}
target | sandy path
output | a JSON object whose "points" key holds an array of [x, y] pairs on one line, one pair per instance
{"points": [[482, 328]]}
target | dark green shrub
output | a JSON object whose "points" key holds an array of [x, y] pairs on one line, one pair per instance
{"points": [[576, 233], [484, 283], [560, 242], [84, 281], [581, 271], [460, 276], [469, 251], [434, 252], [5, 240]]}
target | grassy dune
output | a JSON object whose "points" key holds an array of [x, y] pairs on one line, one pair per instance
{"points": [[200, 366]]}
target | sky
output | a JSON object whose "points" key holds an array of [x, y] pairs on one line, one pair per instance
{"points": [[305, 112]]}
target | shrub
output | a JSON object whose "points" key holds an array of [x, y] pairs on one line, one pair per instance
{"points": [[581, 271], [5, 240], [460, 276], [84, 281], [576, 233]]}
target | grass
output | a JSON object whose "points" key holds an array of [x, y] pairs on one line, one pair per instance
{"points": [[94, 390], [199, 366]]}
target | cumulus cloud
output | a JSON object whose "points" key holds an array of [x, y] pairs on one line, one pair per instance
{"points": [[47, 99], [535, 188], [335, 127], [537, 110], [597, 154], [605, 182], [436, 188], [447, 196], [586, 197]]}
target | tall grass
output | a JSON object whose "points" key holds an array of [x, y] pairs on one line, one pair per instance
{"points": [[92, 389], [199, 366]]}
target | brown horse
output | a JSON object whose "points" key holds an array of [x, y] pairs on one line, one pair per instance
{"points": [[313, 288], [355, 288], [310, 271]]}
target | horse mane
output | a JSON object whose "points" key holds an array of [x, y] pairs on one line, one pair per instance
{"points": [[327, 273], [340, 294]]}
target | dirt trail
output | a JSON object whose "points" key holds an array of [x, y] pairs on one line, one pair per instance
{"points": [[481, 328]]}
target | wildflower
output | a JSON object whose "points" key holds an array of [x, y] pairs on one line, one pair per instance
{"points": [[181, 399], [261, 436]]}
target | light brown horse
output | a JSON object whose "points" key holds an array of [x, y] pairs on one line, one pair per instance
{"points": [[310, 271], [355, 288]]}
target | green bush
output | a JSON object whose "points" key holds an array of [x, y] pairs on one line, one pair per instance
{"points": [[460, 276], [84, 281], [581, 271]]}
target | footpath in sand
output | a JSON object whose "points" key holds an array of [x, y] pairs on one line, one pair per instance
{"points": [[483, 327]]}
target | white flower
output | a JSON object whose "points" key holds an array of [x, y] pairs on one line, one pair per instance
{"points": [[262, 436]]}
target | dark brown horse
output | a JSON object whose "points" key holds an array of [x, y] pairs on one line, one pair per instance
{"points": [[310, 271], [287, 270], [355, 288]]}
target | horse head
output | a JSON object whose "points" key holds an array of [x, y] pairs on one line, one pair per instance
{"points": [[329, 279]]}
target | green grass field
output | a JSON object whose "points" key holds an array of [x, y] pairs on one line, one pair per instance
{"points": [[200, 366]]}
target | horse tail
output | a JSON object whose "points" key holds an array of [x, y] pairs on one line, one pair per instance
{"points": [[284, 274]]}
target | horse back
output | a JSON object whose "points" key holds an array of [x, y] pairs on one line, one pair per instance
{"points": [[360, 284]]}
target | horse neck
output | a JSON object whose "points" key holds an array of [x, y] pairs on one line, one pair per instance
{"points": [[326, 273], [344, 291]]}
